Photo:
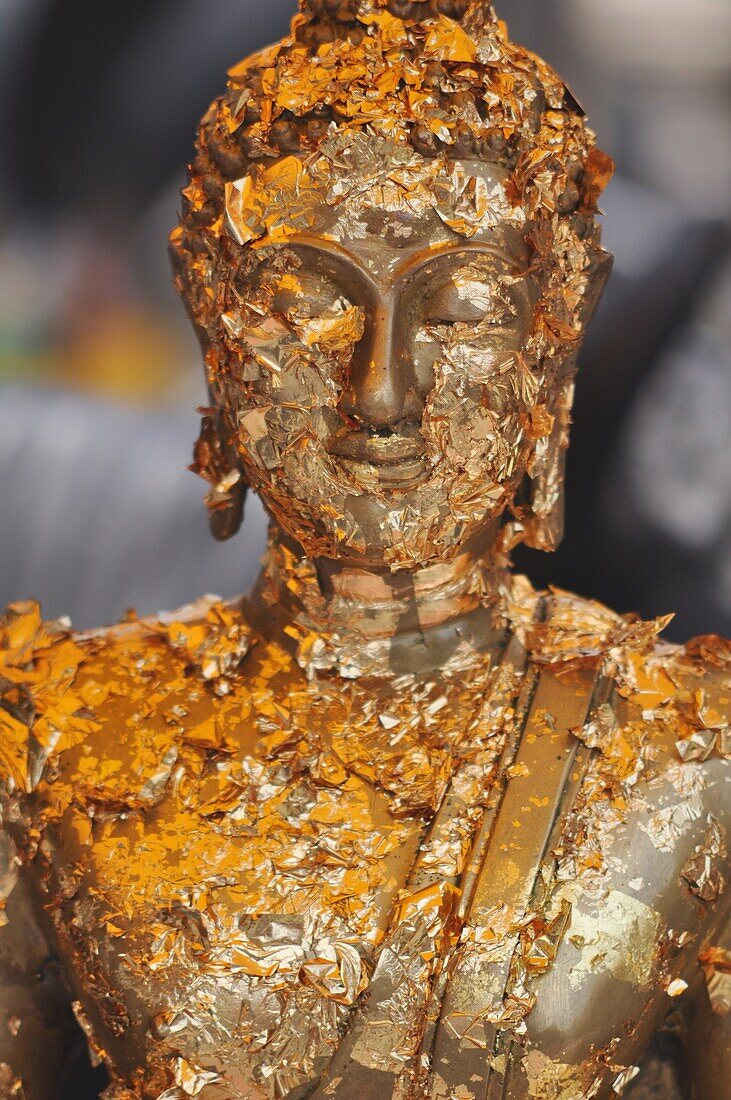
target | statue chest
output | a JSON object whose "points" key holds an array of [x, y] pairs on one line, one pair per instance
{"points": [[372, 904], [225, 872]]}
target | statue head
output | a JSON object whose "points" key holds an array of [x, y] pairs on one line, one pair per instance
{"points": [[390, 253]]}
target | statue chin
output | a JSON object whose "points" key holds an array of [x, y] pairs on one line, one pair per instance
{"points": [[394, 824]]}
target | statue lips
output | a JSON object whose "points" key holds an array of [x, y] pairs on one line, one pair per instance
{"points": [[398, 458]]}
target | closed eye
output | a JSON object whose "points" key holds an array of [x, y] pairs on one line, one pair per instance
{"points": [[473, 294], [473, 305], [306, 294], [450, 308]]}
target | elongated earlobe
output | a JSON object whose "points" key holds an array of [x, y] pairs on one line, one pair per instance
{"points": [[215, 461], [541, 511], [226, 519], [545, 512]]}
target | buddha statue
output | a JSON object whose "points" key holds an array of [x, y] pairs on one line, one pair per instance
{"points": [[395, 826]]}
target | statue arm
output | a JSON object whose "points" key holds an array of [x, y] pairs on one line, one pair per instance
{"points": [[708, 1008], [708, 1025], [36, 1022]]}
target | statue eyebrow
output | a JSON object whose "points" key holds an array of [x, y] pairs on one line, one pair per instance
{"points": [[452, 251], [333, 249], [410, 266]]}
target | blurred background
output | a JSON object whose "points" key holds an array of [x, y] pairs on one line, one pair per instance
{"points": [[100, 375]]}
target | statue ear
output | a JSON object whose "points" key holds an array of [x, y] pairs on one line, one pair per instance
{"points": [[225, 519], [542, 510], [599, 272], [216, 461]]}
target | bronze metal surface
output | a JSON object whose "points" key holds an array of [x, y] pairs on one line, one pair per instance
{"points": [[394, 825]]}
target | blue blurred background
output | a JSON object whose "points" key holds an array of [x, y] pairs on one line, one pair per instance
{"points": [[100, 376]]}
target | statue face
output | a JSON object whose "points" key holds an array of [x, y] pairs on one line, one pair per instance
{"points": [[385, 374], [389, 248]]}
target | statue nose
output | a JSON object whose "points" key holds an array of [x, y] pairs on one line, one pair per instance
{"points": [[380, 372]]}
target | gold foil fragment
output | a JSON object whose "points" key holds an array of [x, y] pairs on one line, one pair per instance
{"points": [[716, 966]]}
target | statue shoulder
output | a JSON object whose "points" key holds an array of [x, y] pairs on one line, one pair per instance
{"points": [[675, 703], [685, 698], [662, 742], [669, 704], [642, 864], [64, 695]]}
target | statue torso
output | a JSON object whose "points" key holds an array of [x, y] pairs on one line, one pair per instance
{"points": [[434, 886]]}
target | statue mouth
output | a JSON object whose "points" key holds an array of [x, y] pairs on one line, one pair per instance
{"points": [[398, 458], [379, 448]]}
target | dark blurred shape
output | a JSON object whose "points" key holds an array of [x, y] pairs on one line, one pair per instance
{"points": [[100, 513], [669, 495], [661, 1077], [83, 1081], [106, 103]]}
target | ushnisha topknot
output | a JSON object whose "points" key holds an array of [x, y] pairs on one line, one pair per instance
{"points": [[439, 75], [345, 14], [445, 70]]}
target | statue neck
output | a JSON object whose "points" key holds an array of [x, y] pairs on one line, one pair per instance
{"points": [[363, 621]]}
